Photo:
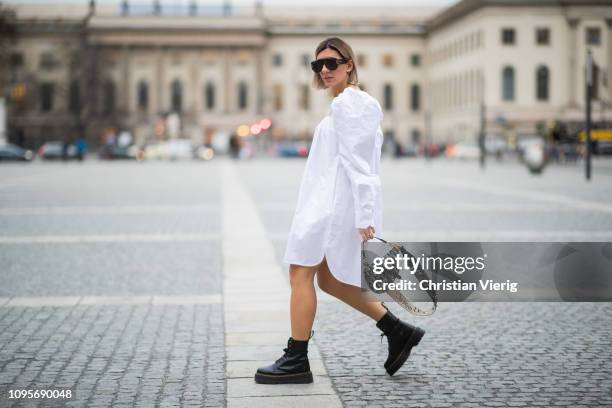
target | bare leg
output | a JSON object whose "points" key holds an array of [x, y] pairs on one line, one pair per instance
{"points": [[349, 294], [303, 300]]}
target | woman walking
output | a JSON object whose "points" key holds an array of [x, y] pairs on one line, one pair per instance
{"points": [[339, 206]]}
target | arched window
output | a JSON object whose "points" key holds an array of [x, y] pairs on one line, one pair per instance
{"points": [[508, 84], [415, 97], [47, 91], [109, 97], [143, 95], [209, 96], [176, 92], [542, 83], [388, 97], [74, 98], [242, 95]]}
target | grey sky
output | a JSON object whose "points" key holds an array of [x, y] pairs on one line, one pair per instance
{"points": [[270, 2]]}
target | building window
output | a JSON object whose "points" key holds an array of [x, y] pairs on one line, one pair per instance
{"points": [[415, 60], [242, 95], [47, 91], [542, 36], [109, 97], [508, 36], [209, 96], [415, 97], [305, 97], [508, 84], [143, 95], [277, 97], [542, 83], [74, 98], [388, 60], [361, 60], [388, 97], [593, 36], [416, 136], [16, 60], [277, 60], [47, 61], [306, 60], [176, 92]]}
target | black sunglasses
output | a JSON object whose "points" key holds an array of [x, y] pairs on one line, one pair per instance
{"points": [[330, 63]]}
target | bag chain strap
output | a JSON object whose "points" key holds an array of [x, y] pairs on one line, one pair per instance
{"points": [[419, 274]]}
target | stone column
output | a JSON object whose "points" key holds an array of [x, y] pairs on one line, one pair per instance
{"points": [[259, 80], [194, 86], [159, 80], [226, 81], [573, 64], [125, 81]]}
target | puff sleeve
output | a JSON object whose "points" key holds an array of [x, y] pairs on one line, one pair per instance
{"points": [[356, 121]]}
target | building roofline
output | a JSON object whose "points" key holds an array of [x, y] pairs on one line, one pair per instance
{"points": [[465, 7]]}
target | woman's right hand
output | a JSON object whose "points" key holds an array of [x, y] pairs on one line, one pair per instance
{"points": [[366, 233]]}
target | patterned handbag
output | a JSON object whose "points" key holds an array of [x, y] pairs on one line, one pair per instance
{"points": [[392, 275]]}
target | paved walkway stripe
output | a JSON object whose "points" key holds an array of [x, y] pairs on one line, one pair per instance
{"points": [[554, 198], [110, 209], [105, 238], [486, 236], [443, 207], [40, 301], [245, 240]]}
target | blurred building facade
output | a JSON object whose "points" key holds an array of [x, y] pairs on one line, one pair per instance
{"points": [[437, 73]]}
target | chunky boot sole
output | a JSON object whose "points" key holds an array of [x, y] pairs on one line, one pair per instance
{"points": [[298, 378], [415, 338]]}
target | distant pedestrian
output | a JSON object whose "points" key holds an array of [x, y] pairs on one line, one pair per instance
{"points": [[81, 146], [234, 144], [339, 206], [65, 148]]}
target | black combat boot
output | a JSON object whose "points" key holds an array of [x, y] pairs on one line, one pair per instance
{"points": [[401, 336], [291, 368]]}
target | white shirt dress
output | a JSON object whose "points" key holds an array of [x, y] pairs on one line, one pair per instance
{"points": [[340, 189]]}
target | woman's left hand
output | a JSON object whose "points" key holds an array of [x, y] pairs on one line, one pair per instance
{"points": [[366, 233]]}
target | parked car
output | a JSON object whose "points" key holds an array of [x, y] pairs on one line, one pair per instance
{"points": [[11, 152], [204, 152], [534, 152], [180, 149], [55, 151], [463, 150], [432, 149], [526, 142], [175, 149], [496, 146], [405, 150], [292, 150], [121, 152], [604, 147]]}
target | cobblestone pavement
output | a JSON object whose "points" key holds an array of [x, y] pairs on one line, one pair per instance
{"points": [[120, 355], [129, 250], [108, 239], [473, 354]]}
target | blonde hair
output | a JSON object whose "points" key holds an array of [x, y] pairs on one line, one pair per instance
{"points": [[345, 52]]}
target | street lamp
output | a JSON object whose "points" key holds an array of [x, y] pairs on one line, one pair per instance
{"points": [[589, 90]]}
